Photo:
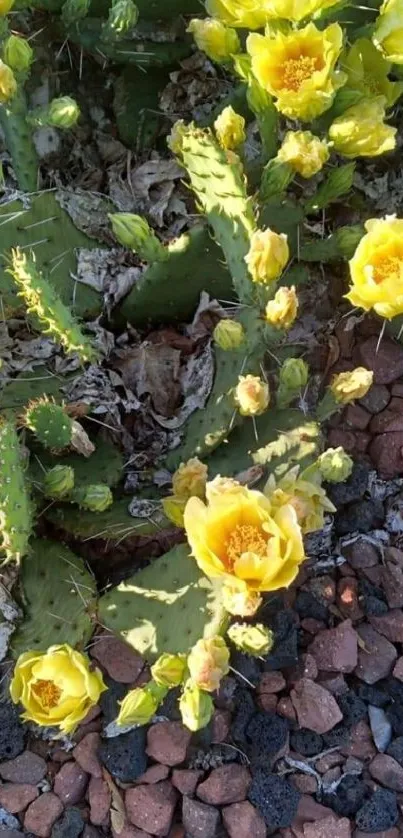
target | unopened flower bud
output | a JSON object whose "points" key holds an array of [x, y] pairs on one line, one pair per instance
{"points": [[174, 509], [95, 498], [240, 603], [74, 10], [169, 670], [61, 113], [208, 662], [190, 479], [252, 395], [17, 53], [175, 138], [196, 707], [219, 42], [229, 334], [254, 640], [294, 374], [347, 386], [134, 232], [268, 256], [282, 310], [335, 465], [58, 482], [305, 152], [8, 84], [230, 128], [122, 18], [137, 708]]}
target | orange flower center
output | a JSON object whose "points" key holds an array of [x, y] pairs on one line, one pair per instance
{"points": [[47, 692], [390, 267], [296, 70], [245, 538]]}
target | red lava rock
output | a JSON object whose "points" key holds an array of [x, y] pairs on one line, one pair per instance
{"points": [[392, 577], [309, 810], [186, 779], [331, 827], [220, 724], [26, 768], [362, 441], [332, 775], [305, 783], [347, 598], [398, 670], [84, 730], [119, 660], [377, 398], [130, 831], [387, 422], [335, 650], [86, 754], [42, 814], [268, 702], [377, 659], [316, 708], [285, 708], [361, 554], [346, 439], [177, 831], [328, 761], [334, 682], [356, 417], [167, 742], [70, 783], [361, 744], [390, 625], [242, 820], [387, 455], [387, 771], [151, 808], [92, 832], [311, 625], [226, 784], [390, 833], [16, 796], [199, 819], [323, 588], [154, 774], [99, 797], [271, 682], [385, 359]]}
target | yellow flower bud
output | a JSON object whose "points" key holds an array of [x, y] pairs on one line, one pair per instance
{"points": [[169, 670], [5, 6], [17, 53], [230, 128], [268, 255], [196, 707], [174, 508], [8, 84], [229, 334], [190, 479], [254, 640], [347, 386], [219, 42], [134, 232], [282, 310], [175, 138], [304, 152], [63, 112], [361, 131], [252, 395], [388, 34], [241, 602], [137, 708], [208, 662], [294, 373], [335, 465]]}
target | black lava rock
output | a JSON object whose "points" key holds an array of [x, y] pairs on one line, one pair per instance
{"points": [[395, 749], [244, 710], [170, 705], [362, 517], [351, 490], [379, 813], [125, 756], [373, 607], [266, 735], [306, 742], [109, 699], [395, 716], [348, 797], [352, 707], [12, 733], [247, 665], [70, 825], [276, 799], [337, 737], [373, 695], [285, 650], [307, 605], [393, 688]]}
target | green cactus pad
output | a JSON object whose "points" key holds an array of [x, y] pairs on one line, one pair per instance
{"points": [[144, 53], [116, 524], [50, 423], [58, 596], [105, 465], [166, 607], [19, 141], [15, 505], [29, 386]]}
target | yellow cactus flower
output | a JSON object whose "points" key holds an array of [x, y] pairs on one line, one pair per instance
{"points": [[208, 662], [246, 14], [361, 132], [218, 41], [56, 688], [376, 269], [252, 396], [229, 334], [268, 255], [240, 603], [296, 10], [388, 34], [190, 479], [237, 537], [5, 6], [230, 128], [298, 68], [8, 84], [282, 310], [306, 497], [368, 72], [303, 151], [176, 136], [348, 386]]}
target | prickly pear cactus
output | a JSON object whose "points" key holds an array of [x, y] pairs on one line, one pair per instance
{"points": [[166, 607], [29, 386], [105, 465], [15, 505], [116, 524], [59, 597], [94, 498], [50, 424]]}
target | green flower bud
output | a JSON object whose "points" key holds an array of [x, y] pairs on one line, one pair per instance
{"points": [[95, 498], [137, 708], [169, 670], [196, 707], [134, 232], [335, 465], [229, 334], [60, 113], [74, 10], [123, 16], [17, 53], [294, 374], [58, 482], [254, 640]]}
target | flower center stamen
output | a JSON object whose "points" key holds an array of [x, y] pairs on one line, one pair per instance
{"points": [[47, 692], [296, 70], [245, 538], [391, 267]]}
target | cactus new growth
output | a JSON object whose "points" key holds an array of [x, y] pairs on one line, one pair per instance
{"points": [[58, 482], [50, 423], [16, 513], [94, 498]]}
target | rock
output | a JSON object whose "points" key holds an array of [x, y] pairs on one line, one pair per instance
{"points": [[380, 726], [119, 660], [341, 436], [70, 783], [275, 798], [335, 650], [124, 756], [12, 733], [285, 648], [384, 358], [360, 743], [309, 607], [376, 660], [306, 668], [328, 761], [377, 398], [242, 819], [353, 489], [390, 625], [315, 707], [42, 814], [347, 598], [306, 742], [199, 819], [398, 669], [92, 832], [267, 737], [167, 742], [186, 779], [356, 417], [363, 516], [227, 784], [26, 768], [154, 774], [151, 808], [388, 833], [379, 812], [392, 578], [16, 796], [361, 554], [395, 749], [99, 798], [353, 708], [349, 795], [110, 699], [309, 810], [387, 455], [70, 825], [271, 682], [220, 726], [305, 783], [285, 708], [387, 771], [331, 827], [86, 754]]}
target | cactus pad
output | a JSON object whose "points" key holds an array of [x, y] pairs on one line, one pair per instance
{"points": [[29, 386], [15, 504], [59, 596], [115, 525], [166, 607], [50, 423], [105, 465]]}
